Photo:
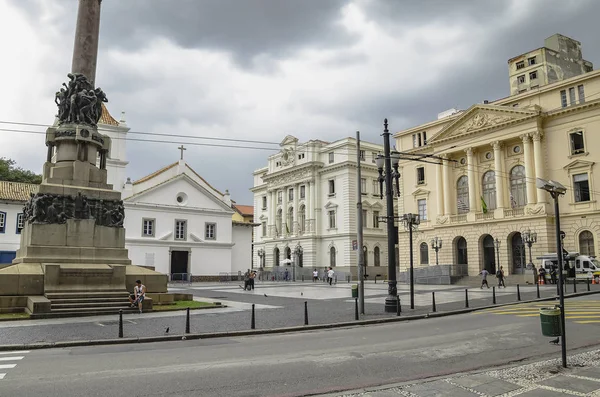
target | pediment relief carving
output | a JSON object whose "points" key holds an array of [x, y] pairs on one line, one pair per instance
{"points": [[420, 192], [579, 164], [479, 121], [331, 205]]}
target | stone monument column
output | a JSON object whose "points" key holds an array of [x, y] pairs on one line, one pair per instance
{"points": [[87, 33]]}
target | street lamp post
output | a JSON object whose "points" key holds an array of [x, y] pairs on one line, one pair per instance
{"points": [[497, 246], [530, 238], [297, 252], [389, 160], [261, 255], [556, 190], [411, 220], [436, 245]]}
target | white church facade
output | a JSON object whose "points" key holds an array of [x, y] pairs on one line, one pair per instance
{"points": [[175, 221]]}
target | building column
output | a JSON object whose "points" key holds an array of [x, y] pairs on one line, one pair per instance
{"points": [[284, 202], [440, 189], [472, 185], [296, 200], [529, 172], [272, 207], [539, 164], [500, 186], [447, 186], [308, 204]]}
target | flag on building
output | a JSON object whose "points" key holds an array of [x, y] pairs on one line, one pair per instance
{"points": [[483, 205]]}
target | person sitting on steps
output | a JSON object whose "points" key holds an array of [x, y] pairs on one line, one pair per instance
{"points": [[139, 293]]}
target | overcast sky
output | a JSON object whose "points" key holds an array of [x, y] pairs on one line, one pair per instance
{"points": [[262, 69]]}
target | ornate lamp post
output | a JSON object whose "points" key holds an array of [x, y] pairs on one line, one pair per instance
{"points": [[530, 238], [261, 255], [436, 245], [410, 221], [385, 164], [556, 190], [297, 252], [497, 246]]}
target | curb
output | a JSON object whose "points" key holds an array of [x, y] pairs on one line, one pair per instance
{"points": [[225, 334]]}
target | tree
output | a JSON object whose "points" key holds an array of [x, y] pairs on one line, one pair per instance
{"points": [[9, 172]]}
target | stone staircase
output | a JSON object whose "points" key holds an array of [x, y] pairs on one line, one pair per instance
{"points": [[85, 303]]}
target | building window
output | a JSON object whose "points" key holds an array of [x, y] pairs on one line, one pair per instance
{"points": [[415, 141], [375, 187], [289, 222], [563, 98], [462, 194], [19, 223], [276, 256], [331, 215], [278, 220], [148, 227], [365, 215], [279, 197], [376, 219], [572, 96], [363, 185], [362, 155], [302, 192], [424, 253], [2, 222], [420, 175], [581, 93], [210, 231], [533, 75], [331, 158], [521, 79], [586, 243], [180, 230], [489, 189], [302, 218], [301, 156], [264, 229], [264, 202], [291, 194], [376, 256], [520, 65], [576, 141], [332, 256], [422, 206], [424, 138], [518, 188], [331, 187], [531, 61], [581, 187]]}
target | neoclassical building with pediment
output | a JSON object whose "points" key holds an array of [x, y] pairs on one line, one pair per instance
{"points": [[485, 187], [306, 198]]}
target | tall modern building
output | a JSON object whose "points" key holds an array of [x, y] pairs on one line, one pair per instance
{"points": [[482, 198], [305, 202]]}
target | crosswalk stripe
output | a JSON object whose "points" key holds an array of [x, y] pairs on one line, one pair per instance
{"points": [[11, 358], [7, 366], [589, 321], [2, 376], [15, 352]]}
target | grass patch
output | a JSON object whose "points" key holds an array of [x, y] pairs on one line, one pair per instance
{"points": [[178, 305], [13, 316]]}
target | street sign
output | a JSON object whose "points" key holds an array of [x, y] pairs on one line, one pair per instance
{"points": [[354, 245]]}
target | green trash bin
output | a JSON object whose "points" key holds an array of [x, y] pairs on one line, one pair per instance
{"points": [[355, 291], [550, 319]]}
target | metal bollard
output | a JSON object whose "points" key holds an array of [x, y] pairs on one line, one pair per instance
{"points": [[253, 321], [120, 323], [575, 285], [518, 293], [588, 284], [466, 297], [398, 307], [187, 321], [494, 295], [356, 309], [433, 308], [375, 279], [537, 287], [306, 313], [303, 278]]}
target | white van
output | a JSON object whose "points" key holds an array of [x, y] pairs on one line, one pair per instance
{"points": [[585, 266]]}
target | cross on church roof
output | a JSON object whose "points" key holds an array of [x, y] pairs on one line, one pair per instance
{"points": [[181, 148]]}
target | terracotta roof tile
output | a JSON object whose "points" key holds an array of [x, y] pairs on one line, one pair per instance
{"points": [[106, 118], [17, 191], [244, 209]]}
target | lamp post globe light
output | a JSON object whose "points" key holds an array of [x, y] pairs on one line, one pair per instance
{"points": [[411, 220], [530, 238], [261, 255], [436, 245], [497, 247], [387, 165], [556, 190]]}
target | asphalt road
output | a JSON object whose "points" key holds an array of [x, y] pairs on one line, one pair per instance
{"points": [[289, 364]]}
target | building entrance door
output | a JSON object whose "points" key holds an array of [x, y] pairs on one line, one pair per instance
{"points": [[179, 265], [489, 254], [518, 254]]}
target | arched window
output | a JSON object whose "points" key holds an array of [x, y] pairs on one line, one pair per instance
{"points": [[424, 251], [276, 256], [462, 194], [290, 220], [332, 256], [288, 253], [461, 251], [278, 222], [586, 243], [376, 256], [302, 218], [518, 188], [489, 189]]}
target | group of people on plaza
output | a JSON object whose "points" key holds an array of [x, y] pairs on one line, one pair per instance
{"points": [[499, 275], [249, 277], [539, 276]]}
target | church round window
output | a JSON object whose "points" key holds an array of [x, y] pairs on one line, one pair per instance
{"points": [[517, 149], [463, 161], [181, 198], [488, 155]]}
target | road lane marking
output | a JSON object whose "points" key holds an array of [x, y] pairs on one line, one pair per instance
{"points": [[11, 358], [16, 352], [7, 366], [2, 376]]}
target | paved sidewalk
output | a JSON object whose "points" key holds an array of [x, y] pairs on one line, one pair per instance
{"points": [[541, 379]]}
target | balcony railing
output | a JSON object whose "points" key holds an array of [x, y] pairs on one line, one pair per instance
{"points": [[481, 216], [514, 212], [462, 218]]}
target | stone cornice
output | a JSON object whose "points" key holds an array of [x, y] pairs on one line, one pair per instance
{"points": [[572, 109], [176, 209]]}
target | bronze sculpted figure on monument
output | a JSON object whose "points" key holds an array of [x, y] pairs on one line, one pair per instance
{"points": [[79, 102]]}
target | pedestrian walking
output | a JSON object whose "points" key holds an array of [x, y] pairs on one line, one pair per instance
{"points": [[247, 280], [542, 275], [500, 277], [286, 275], [252, 277], [536, 277], [315, 275], [553, 275], [484, 273], [330, 274]]}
